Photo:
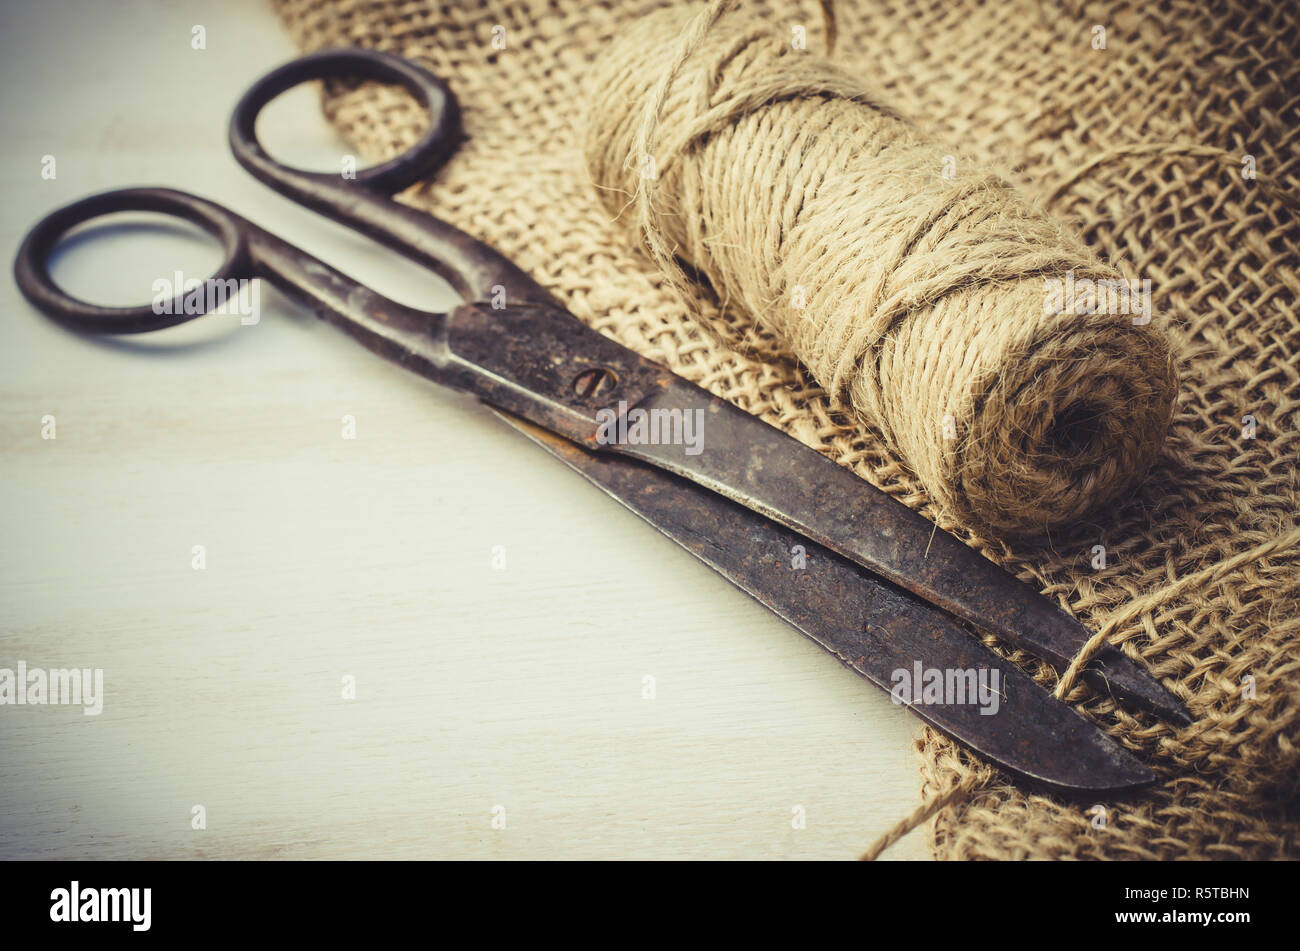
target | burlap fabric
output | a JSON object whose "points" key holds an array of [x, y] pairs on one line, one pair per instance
{"points": [[1148, 148]]}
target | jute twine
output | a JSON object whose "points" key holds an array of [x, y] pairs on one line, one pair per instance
{"points": [[917, 301], [1138, 148]]}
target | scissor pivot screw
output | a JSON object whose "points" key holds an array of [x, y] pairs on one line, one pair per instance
{"points": [[594, 382]]}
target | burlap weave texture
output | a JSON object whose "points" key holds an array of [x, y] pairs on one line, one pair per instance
{"points": [[1146, 147]]}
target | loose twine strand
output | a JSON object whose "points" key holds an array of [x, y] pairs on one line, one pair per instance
{"points": [[1287, 541], [1271, 186], [964, 790]]}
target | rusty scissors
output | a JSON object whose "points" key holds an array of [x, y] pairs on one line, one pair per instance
{"points": [[878, 587]]}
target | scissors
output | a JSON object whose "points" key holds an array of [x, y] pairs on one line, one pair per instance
{"points": [[878, 586]]}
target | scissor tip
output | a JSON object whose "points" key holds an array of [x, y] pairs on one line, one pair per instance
{"points": [[1118, 675], [1162, 704], [1158, 701]]}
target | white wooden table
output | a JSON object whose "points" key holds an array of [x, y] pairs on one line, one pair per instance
{"points": [[482, 693]]}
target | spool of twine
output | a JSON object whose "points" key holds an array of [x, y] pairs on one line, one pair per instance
{"points": [[926, 305]]}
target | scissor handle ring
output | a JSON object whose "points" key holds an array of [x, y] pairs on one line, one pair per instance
{"points": [[32, 273], [431, 152]]}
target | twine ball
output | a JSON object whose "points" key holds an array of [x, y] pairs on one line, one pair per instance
{"points": [[919, 301]]}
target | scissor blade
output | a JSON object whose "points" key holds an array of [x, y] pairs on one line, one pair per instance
{"points": [[872, 626], [757, 465]]}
